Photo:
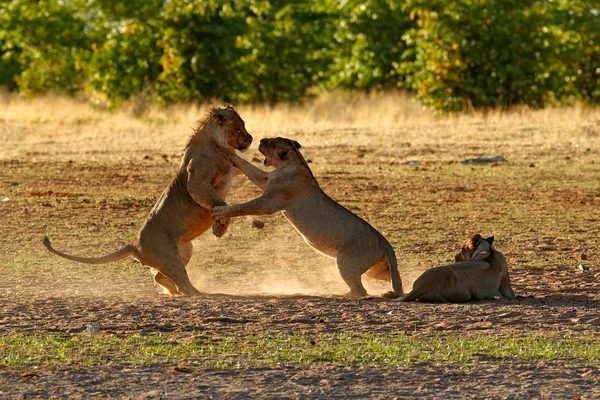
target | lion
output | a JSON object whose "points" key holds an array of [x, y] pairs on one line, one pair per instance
{"points": [[324, 224], [480, 272], [183, 211]]}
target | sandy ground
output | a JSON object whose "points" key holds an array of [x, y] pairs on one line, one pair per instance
{"points": [[566, 313], [90, 191]]}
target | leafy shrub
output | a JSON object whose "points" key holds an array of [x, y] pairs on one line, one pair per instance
{"points": [[199, 50], [453, 55], [478, 53], [125, 57], [44, 44], [286, 48], [576, 56], [127, 63], [368, 44]]}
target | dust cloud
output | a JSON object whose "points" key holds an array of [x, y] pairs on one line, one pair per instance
{"points": [[247, 261], [275, 261]]}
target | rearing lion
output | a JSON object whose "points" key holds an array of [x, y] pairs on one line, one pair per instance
{"points": [[323, 223], [183, 211], [480, 272]]}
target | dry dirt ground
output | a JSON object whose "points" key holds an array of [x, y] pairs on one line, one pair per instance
{"points": [[89, 184]]}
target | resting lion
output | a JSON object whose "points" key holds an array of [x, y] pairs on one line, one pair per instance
{"points": [[183, 211], [324, 224], [480, 272]]}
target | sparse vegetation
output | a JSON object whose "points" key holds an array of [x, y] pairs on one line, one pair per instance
{"points": [[265, 349]]}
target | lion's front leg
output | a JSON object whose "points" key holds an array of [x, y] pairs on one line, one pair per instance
{"points": [[256, 175], [219, 228], [263, 205]]}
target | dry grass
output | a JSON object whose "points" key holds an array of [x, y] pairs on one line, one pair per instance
{"points": [[328, 119]]}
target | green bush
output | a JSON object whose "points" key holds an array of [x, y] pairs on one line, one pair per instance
{"points": [[368, 44], [127, 63], [199, 50], [286, 48], [125, 58], [454, 55], [576, 56], [44, 44], [477, 53]]}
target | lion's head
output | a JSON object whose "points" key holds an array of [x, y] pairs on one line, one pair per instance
{"points": [[277, 150], [477, 248], [231, 132]]}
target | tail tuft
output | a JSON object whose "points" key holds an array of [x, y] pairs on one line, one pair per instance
{"points": [[46, 243]]}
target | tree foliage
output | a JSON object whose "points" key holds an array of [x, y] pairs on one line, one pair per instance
{"points": [[453, 55], [44, 45]]}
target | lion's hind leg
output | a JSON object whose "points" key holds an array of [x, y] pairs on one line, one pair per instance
{"points": [[351, 274], [165, 257], [446, 295], [185, 250], [165, 283], [173, 269]]}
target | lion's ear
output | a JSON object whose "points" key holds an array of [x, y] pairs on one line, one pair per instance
{"points": [[490, 240], [475, 240], [298, 145], [282, 154], [218, 117]]}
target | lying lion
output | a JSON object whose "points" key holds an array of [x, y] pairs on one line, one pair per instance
{"points": [[183, 211], [480, 272], [324, 224]]}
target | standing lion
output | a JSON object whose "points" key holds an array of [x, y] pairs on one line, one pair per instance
{"points": [[183, 211], [324, 224]]}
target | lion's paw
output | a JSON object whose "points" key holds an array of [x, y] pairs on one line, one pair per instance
{"points": [[219, 228]]}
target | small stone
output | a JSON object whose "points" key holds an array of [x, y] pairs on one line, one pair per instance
{"points": [[301, 318], [583, 257], [258, 224], [582, 267], [410, 162]]}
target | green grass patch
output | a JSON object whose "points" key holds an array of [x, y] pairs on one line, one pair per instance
{"points": [[269, 350]]}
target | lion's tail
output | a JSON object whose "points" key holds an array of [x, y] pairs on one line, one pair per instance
{"points": [[116, 256], [394, 274]]}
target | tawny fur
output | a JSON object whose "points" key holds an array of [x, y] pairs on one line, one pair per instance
{"points": [[480, 273], [183, 211], [323, 223]]}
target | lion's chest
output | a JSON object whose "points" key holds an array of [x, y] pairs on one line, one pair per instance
{"points": [[222, 182]]}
